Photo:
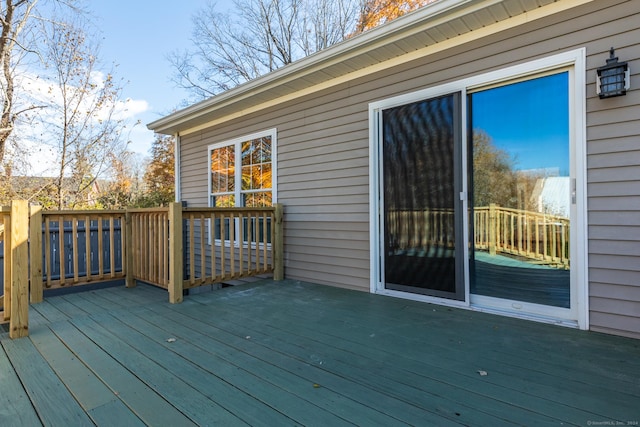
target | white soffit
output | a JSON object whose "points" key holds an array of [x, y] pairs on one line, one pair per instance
{"points": [[433, 28]]}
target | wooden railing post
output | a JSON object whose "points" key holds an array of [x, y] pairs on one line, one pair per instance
{"points": [[128, 238], [278, 243], [492, 231], [35, 254], [19, 248], [7, 266], [176, 275]]}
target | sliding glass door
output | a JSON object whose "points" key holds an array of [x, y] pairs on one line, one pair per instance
{"points": [[478, 192]]}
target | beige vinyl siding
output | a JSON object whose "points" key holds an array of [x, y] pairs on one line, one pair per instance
{"points": [[322, 163], [613, 182]]}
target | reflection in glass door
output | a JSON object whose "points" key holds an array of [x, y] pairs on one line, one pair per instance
{"points": [[421, 214], [520, 188]]}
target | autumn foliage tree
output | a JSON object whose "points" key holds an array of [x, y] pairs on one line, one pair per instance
{"points": [[123, 186], [378, 12], [159, 177]]}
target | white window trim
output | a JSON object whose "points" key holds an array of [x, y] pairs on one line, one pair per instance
{"points": [[236, 142], [575, 62]]}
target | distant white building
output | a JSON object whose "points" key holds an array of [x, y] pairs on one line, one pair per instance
{"points": [[552, 196]]}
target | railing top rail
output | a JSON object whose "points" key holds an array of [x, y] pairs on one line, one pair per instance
{"points": [[530, 213], [147, 210], [4, 209], [231, 210], [83, 212]]}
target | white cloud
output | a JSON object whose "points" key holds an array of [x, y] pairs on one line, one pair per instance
{"points": [[42, 153]]}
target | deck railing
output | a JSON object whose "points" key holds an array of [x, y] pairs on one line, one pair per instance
{"points": [[175, 248], [212, 245], [540, 237], [536, 236], [79, 247]]}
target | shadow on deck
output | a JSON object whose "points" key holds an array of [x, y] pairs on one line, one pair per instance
{"points": [[291, 353]]}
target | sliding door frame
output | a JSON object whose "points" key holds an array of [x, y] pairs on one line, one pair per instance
{"points": [[575, 62]]}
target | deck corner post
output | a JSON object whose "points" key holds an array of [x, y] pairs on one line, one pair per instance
{"points": [[278, 243], [176, 274], [19, 248], [130, 282], [35, 254]]}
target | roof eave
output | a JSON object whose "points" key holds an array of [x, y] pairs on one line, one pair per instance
{"points": [[173, 123]]}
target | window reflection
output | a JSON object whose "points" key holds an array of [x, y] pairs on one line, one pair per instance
{"points": [[520, 191]]}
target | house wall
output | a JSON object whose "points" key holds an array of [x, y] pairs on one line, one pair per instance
{"points": [[323, 156]]}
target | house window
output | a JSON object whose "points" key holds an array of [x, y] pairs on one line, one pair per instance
{"points": [[242, 174], [241, 171]]}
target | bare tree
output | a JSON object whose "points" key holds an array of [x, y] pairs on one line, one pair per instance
{"points": [[15, 17], [19, 40], [259, 36], [325, 23], [81, 119]]}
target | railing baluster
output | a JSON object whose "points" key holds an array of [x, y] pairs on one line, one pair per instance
{"points": [[232, 241], [100, 247], [112, 241], [203, 254], [87, 244], [192, 250]]}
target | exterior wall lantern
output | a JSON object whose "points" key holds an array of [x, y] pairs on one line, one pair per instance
{"points": [[614, 78]]}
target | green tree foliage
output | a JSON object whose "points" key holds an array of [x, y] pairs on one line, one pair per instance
{"points": [[496, 179]]}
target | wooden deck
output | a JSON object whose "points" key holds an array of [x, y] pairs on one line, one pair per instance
{"points": [[289, 353]]}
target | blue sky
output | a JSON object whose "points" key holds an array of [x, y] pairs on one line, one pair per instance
{"points": [[529, 119], [137, 35]]}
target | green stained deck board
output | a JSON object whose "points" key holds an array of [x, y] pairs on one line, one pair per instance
{"points": [[15, 407], [419, 388], [114, 413], [49, 311], [530, 346], [266, 368], [115, 301], [563, 396], [171, 386], [358, 365], [381, 402], [529, 342], [66, 307], [35, 318], [86, 301], [134, 297], [50, 398], [371, 347], [86, 388], [254, 386], [243, 405], [142, 400]]}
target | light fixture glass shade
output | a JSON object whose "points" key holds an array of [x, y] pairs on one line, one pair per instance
{"points": [[613, 78]]}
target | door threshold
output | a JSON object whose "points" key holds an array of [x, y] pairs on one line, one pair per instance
{"points": [[540, 318]]}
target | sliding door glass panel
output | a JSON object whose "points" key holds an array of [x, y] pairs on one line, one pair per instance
{"points": [[520, 191], [419, 181]]}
